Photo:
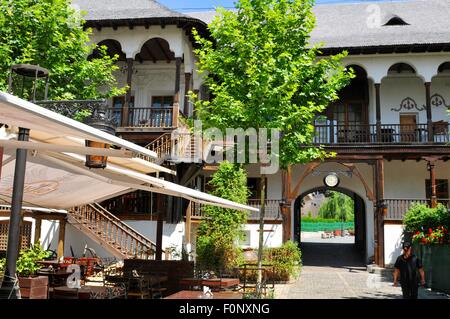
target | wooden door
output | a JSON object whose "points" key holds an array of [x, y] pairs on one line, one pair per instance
{"points": [[408, 127]]}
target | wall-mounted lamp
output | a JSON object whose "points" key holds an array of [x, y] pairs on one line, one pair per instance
{"points": [[99, 121]]}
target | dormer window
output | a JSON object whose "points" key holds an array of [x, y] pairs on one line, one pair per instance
{"points": [[395, 20]]}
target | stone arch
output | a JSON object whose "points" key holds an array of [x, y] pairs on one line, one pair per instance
{"points": [[155, 49], [360, 214], [444, 67], [297, 189], [113, 47], [174, 43]]}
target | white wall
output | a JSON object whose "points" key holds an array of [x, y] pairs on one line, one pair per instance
{"points": [[407, 179], [172, 233], [392, 243], [273, 236], [49, 234]]}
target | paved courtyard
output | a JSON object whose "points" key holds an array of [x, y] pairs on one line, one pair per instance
{"points": [[334, 269]]}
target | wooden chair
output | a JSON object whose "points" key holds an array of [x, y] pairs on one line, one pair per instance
{"points": [[156, 291], [138, 287]]}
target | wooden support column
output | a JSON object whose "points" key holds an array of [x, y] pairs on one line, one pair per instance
{"points": [[37, 230], [177, 80], [379, 213], [187, 88], [429, 116], [61, 238], [1, 160], [187, 229], [197, 93], [431, 169], [126, 106], [378, 111], [159, 227], [285, 206]]}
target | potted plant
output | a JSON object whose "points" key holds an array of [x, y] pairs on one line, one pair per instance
{"points": [[31, 285]]}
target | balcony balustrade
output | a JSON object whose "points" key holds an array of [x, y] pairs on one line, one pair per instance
{"points": [[330, 133]]}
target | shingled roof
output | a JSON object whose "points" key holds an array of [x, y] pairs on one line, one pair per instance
{"points": [[346, 25], [98, 10]]}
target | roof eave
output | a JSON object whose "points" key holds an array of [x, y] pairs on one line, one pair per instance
{"points": [[388, 49]]}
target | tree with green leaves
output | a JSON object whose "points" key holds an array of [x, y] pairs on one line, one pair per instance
{"points": [[51, 34], [337, 206], [263, 72], [219, 233]]}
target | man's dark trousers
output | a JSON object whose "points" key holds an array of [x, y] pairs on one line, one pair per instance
{"points": [[410, 291]]}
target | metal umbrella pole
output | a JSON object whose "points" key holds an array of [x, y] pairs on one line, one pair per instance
{"points": [[9, 288]]}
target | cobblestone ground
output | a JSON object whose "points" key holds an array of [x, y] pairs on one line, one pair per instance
{"points": [[333, 269]]}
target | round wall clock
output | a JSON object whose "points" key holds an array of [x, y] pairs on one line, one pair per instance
{"points": [[331, 180]]}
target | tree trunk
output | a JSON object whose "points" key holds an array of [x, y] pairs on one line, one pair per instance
{"points": [[261, 237]]}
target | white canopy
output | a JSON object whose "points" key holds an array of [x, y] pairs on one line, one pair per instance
{"points": [[60, 179]]}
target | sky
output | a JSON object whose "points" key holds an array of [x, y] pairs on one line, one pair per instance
{"points": [[198, 5]]}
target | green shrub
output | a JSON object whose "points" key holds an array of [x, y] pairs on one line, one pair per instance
{"points": [[27, 263], [286, 260], [220, 232], [420, 217]]}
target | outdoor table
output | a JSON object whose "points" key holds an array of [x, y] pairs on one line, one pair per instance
{"points": [[213, 282], [53, 263], [221, 282], [192, 294], [92, 292], [58, 277]]}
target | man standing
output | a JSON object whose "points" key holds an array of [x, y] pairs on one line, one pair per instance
{"points": [[408, 266]]}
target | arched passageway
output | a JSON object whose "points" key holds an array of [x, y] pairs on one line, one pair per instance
{"points": [[328, 248]]}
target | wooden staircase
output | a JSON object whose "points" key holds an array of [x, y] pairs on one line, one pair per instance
{"points": [[179, 147], [111, 233]]}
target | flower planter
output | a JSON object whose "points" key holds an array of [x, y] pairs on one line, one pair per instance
{"points": [[436, 261], [33, 287]]}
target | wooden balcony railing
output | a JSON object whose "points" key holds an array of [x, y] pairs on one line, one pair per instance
{"points": [[146, 117], [371, 134], [272, 210], [137, 203], [140, 117], [397, 208]]}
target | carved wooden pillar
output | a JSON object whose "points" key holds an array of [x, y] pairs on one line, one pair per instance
{"points": [[431, 169], [1, 160], [379, 213], [187, 230], [126, 105], [159, 226], [429, 116], [177, 80], [187, 88], [196, 92], [61, 238], [378, 111], [37, 230], [286, 204]]}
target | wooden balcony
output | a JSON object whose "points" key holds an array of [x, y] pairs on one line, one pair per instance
{"points": [[397, 208], [146, 117], [138, 117], [363, 134]]}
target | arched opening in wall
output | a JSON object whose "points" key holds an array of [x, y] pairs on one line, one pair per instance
{"points": [[350, 114], [330, 226], [155, 49], [444, 68], [112, 48], [401, 68]]}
